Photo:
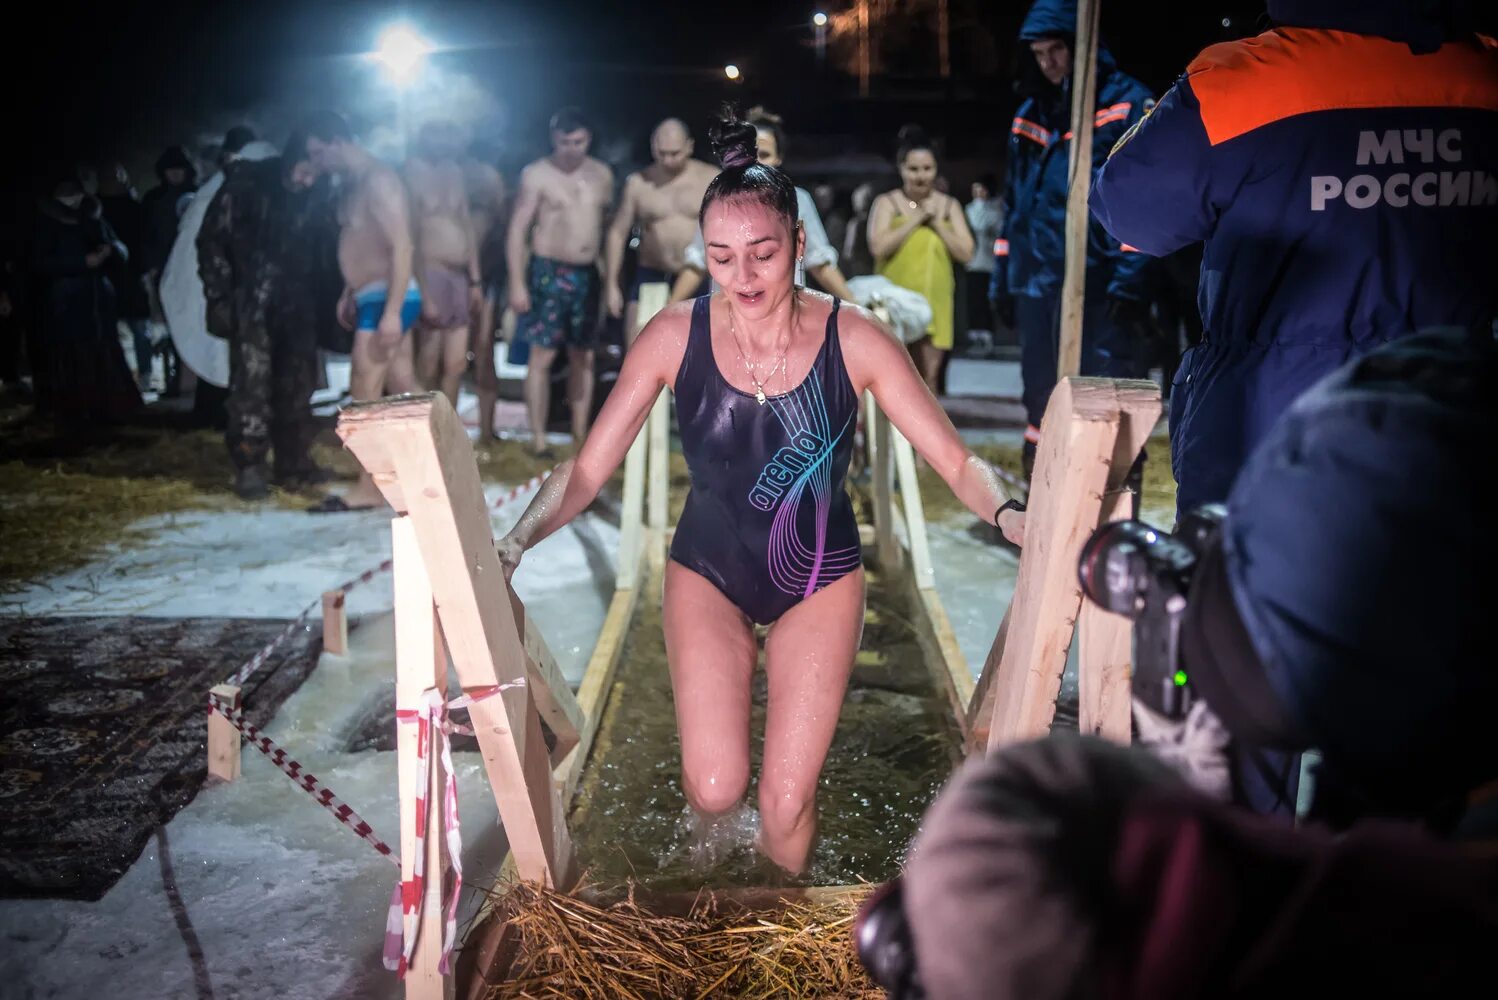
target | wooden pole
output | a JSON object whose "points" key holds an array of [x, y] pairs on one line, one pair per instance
{"points": [[1105, 640], [1071, 472], [334, 623], [658, 428], [884, 515], [223, 738], [420, 457], [420, 663], [1083, 108], [915, 511], [631, 519]]}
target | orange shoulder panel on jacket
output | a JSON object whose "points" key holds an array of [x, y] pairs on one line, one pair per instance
{"points": [[1251, 83]]}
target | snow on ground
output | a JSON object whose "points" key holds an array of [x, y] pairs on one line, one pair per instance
{"points": [[282, 901], [272, 563], [273, 898]]}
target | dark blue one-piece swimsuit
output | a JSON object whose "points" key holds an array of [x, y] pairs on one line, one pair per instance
{"points": [[767, 519]]}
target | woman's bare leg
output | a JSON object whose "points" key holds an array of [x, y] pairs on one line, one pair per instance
{"points": [[808, 656], [711, 649]]}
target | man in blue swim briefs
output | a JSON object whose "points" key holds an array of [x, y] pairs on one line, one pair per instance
{"points": [[662, 200], [552, 246], [375, 255]]}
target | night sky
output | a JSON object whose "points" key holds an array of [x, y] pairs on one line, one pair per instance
{"points": [[126, 80]]}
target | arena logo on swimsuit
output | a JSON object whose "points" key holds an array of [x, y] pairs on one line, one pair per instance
{"points": [[788, 463]]}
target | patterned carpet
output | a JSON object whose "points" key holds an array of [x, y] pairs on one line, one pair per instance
{"points": [[102, 729]]}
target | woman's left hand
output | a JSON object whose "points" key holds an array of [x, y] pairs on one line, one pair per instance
{"points": [[1012, 524]]}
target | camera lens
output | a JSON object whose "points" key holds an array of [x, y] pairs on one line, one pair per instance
{"points": [[1113, 566], [881, 938]]}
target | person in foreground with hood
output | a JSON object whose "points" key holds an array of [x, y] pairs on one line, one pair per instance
{"points": [[1068, 867], [1031, 251]]}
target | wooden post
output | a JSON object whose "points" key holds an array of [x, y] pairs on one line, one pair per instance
{"points": [[1104, 661], [223, 738], [884, 515], [915, 511], [420, 664], [549, 689], [418, 453], [1105, 656], [1083, 109], [632, 514], [1071, 472], [653, 296], [658, 430], [334, 623]]}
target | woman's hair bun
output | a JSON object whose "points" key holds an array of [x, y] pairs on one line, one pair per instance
{"points": [[912, 137], [733, 139]]}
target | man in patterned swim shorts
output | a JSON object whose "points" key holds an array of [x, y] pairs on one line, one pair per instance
{"points": [[553, 246]]}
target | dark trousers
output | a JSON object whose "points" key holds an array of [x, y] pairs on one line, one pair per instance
{"points": [[271, 379], [1105, 348]]}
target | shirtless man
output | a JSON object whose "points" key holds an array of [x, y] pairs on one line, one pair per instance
{"points": [[664, 198], [486, 209], [447, 257], [554, 268], [380, 298]]}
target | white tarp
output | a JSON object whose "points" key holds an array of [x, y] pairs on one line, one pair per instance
{"points": [[182, 298]]}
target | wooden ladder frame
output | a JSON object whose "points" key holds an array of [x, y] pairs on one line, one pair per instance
{"points": [[452, 597], [1094, 429]]}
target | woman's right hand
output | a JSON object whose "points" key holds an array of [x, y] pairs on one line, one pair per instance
{"points": [[510, 552]]}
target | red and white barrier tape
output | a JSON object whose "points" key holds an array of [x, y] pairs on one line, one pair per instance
{"points": [[403, 918], [304, 779], [254, 663], [1020, 488], [403, 921]]}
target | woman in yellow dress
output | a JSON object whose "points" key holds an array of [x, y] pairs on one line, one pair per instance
{"points": [[916, 233]]}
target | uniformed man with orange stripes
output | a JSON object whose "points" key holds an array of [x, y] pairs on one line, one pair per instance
{"points": [[1342, 169], [1030, 253]]}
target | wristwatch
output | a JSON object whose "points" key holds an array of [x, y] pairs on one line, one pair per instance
{"points": [[1010, 504]]}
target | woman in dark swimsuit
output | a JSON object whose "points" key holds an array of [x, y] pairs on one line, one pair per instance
{"points": [[767, 378]]}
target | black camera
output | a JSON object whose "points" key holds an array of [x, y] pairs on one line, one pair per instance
{"points": [[1145, 574]]}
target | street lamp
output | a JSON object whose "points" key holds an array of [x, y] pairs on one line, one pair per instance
{"points": [[819, 19], [819, 22], [731, 71], [401, 51]]}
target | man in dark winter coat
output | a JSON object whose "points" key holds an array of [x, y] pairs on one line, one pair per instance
{"points": [[1031, 251]]}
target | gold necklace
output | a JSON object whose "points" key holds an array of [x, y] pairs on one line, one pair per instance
{"points": [[759, 386]]}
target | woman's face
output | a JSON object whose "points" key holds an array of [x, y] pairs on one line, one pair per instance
{"points": [[767, 147], [751, 254], [918, 172]]}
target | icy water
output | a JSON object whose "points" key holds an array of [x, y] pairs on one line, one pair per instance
{"points": [[895, 744]]}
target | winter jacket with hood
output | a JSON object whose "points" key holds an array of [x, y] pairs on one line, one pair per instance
{"points": [[1031, 251], [1342, 169]]}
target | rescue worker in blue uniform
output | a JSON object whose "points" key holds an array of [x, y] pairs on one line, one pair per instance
{"points": [[1342, 170], [1031, 251]]}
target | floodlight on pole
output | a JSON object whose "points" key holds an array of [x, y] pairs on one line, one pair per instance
{"points": [[819, 19], [401, 52], [731, 71]]}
